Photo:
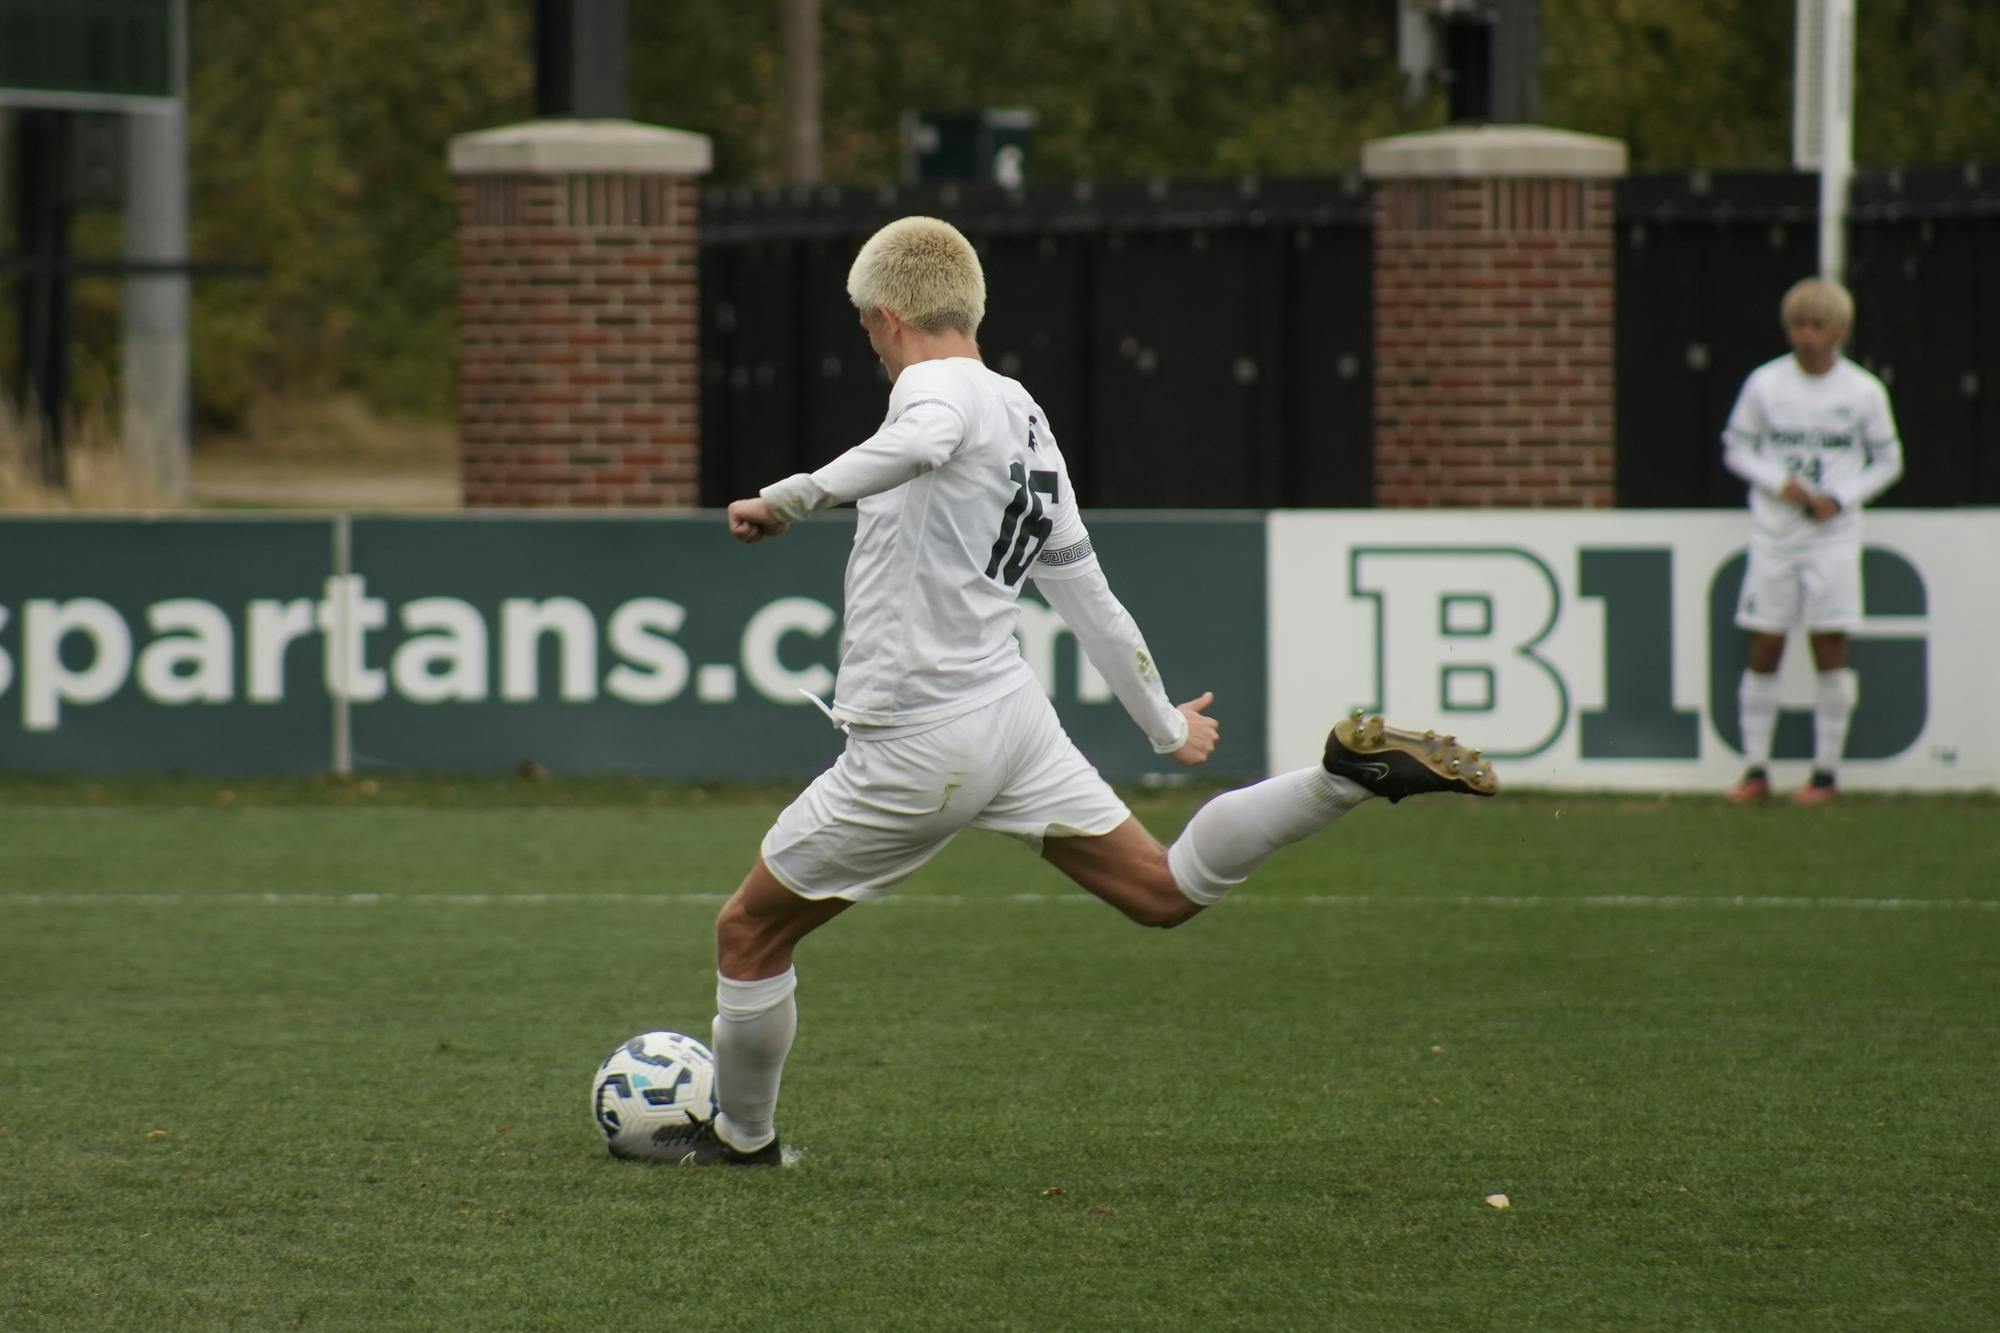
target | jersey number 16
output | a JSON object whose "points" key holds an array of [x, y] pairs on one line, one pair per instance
{"points": [[1021, 538]]}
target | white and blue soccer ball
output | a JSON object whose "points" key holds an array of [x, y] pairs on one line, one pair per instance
{"points": [[655, 1081]]}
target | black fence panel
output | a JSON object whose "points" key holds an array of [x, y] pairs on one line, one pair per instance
{"points": [[1185, 394], [1924, 263], [1210, 345], [1330, 374], [749, 377], [1038, 302], [1195, 346], [1703, 262]]}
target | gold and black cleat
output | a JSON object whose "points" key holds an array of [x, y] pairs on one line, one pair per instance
{"points": [[1395, 763]]}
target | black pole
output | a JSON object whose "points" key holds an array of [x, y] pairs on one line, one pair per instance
{"points": [[42, 222], [1517, 62], [1468, 60], [1493, 62], [581, 65]]}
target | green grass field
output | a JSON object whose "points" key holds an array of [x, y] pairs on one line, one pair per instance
{"points": [[1735, 1070]]}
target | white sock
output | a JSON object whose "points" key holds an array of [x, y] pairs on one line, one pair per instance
{"points": [[1757, 702], [1833, 709], [754, 1025], [1237, 831]]}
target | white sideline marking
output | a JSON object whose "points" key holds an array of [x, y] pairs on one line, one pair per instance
{"points": [[1664, 902]]}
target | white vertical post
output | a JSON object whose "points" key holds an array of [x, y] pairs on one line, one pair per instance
{"points": [[341, 684], [1836, 115], [799, 24], [154, 310]]}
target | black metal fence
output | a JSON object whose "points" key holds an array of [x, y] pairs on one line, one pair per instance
{"points": [[1702, 264], [1210, 345], [1197, 346]]}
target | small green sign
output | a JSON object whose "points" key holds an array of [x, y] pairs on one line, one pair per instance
{"points": [[97, 48]]}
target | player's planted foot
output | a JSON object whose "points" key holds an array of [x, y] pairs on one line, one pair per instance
{"points": [[1755, 786], [1819, 790], [1395, 763], [699, 1145]]}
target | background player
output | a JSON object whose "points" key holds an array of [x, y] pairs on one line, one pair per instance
{"points": [[962, 494], [1813, 435]]}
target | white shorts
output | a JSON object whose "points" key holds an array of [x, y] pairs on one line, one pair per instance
{"points": [[1817, 589], [888, 806]]}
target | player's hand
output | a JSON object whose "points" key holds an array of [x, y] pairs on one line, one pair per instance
{"points": [[1203, 732], [1796, 492], [1823, 507], [752, 521]]}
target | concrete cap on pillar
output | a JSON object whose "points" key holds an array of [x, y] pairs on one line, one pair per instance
{"points": [[551, 147], [1534, 151]]}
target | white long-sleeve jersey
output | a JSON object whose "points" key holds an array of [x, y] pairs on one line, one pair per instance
{"points": [[962, 494], [1834, 432]]}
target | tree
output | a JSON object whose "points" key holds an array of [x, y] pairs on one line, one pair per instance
{"points": [[318, 131], [317, 138]]}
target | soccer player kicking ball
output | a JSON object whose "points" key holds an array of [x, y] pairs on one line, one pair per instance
{"points": [[1813, 435], [962, 494]]}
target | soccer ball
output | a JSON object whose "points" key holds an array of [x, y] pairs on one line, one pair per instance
{"points": [[657, 1080]]}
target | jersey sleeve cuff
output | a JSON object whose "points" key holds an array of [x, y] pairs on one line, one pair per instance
{"points": [[1168, 747], [793, 498]]}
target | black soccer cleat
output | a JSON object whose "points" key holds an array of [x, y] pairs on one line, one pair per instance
{"points": [[1395, 763], [699, 1145]]}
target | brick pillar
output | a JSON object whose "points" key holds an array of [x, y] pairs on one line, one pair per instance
{"points": [[1493, 317], [578, 362]]}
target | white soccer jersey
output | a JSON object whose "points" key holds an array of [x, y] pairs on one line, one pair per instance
{"points": [[962, 494], [1834, 432]]}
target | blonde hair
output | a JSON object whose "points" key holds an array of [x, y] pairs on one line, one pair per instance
{"points": [[1822, 299], [924, 272]]}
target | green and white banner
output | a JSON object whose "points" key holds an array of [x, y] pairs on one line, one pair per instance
{"points": [[471, 643], [1591, 650], [1599, 650]]}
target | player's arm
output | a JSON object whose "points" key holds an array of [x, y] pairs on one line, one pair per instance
{"points": [[922, 437], [1110, 638], [1885, 458], [1741, 452]]}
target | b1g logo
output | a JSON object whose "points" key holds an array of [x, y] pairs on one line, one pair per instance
{"points": [[1469, 632]]}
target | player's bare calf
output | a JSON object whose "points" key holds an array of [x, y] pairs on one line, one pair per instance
{"points": [[1395, 763]]}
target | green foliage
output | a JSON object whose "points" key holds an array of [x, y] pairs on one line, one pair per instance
{"points": [[1700, 85], [1682, 84], [1016, 1109], [318, 131], [1123, 88], [317, 139], [1927, 83]]}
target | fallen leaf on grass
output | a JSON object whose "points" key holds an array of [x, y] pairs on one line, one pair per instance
{"points": [[1054, 1192], [1497, 1201]]}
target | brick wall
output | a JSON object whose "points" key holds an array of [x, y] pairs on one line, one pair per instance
{"points": [[577, 309], [1493, 342]]}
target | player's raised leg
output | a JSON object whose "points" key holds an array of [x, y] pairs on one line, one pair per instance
{"points": [[1232, 835]]}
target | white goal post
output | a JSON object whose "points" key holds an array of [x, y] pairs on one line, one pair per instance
{"points": [[1823, 117]]}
